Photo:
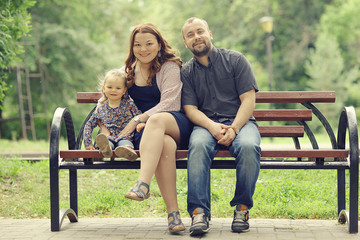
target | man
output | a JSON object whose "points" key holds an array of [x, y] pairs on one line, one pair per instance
{"points": [[218, 96]]}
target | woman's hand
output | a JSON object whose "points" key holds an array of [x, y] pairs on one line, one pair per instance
{"points": [[140, 127], [90, 147], [130, 127]]}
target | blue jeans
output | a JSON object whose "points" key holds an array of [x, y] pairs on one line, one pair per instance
{"points": [[202, 149], [123, 142]]}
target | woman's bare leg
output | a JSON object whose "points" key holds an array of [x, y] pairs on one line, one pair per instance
{"points": [[157, 151], [166, 174], [152, 143], [166, 179]]}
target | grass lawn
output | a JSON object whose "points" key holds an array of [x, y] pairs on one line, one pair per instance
{"points": [[24, 191]]}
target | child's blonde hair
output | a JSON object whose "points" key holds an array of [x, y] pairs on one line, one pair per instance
{"points": [[115, 73]]}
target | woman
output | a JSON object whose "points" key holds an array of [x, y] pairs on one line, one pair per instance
{"points": [[153, 72]]}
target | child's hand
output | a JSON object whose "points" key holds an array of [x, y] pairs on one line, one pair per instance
{"points": [[90, 148], [140, 127]]}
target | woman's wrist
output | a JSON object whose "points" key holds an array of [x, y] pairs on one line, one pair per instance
{"points": [[143, 118], [137, 119]]}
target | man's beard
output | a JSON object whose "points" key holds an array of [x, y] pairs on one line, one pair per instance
{"points": [[202, 52]]}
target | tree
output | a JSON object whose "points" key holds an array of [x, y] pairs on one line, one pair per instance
{"points": [[325, 68], [342, 18], [82, 39], [14, 23]]}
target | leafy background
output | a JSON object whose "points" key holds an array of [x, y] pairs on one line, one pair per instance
{"points": [[316, 46]]}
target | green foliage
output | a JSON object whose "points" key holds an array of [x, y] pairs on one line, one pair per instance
{"points": [[341, 18], [3, 87], [79, 42], [82, 39], [325, 63], [325, 68], [331, 64], [14, 23]]}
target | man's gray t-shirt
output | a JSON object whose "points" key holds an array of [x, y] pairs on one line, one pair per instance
{"points": [[215, 89]]}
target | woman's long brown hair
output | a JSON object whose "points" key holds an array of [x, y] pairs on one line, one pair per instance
{"points": [[166, 51]]}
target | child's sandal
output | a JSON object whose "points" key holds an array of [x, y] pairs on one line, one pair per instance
{"points": [[102, 142], [126, 152], [174, 222], [138, 194]]}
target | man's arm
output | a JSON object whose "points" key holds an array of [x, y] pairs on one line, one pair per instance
{"points": [[243, 114], [246, 109]]}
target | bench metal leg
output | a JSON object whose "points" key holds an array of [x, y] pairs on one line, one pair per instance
{"points": [[73, 191], [341, 190], [57, 215], [54, 199], [351, 216], [354, 198], [69, 213]]}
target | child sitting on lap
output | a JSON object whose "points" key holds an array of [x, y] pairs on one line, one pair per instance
{"points": [[114, 110]]}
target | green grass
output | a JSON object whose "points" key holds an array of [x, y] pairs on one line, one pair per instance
{"points": [[24, 191], [21, 146]]}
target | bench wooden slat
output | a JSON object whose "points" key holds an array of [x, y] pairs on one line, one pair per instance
{"points": [[296, 153], [216, 164], [88, 97], [281, 131], [261, 97], [283, 115], [295, 97]]}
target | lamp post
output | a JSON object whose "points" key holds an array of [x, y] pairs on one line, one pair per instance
{"points": [[267, 25]]}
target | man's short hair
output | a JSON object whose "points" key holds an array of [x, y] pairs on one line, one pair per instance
{"points": [[190, 20]]}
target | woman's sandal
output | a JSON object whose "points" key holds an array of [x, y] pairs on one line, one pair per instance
{"points": [[174, 222], [138, 194]]}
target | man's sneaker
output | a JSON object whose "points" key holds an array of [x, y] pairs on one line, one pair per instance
{"points": [[241, 219], [199, 222]]}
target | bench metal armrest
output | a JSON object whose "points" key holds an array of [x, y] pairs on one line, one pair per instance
{"points": [[59, 115], [348, 122]]}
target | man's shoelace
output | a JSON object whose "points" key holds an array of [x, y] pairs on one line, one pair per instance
{"points": [[198, 218], [240, 215]]}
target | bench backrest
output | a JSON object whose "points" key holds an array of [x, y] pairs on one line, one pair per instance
{"points": [[261, 97], [297, 116]]}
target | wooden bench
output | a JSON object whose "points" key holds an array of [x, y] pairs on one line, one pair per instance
{"points": [[343, 155]]}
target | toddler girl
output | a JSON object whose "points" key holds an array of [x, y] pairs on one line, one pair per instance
{"points": [[114, 110]]}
